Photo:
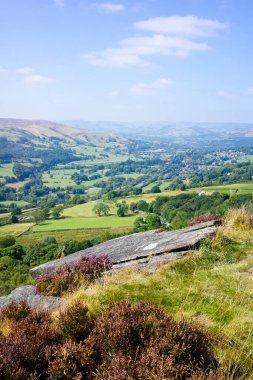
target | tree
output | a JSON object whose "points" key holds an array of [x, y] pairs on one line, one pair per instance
{"points": [[14, 219], [143, 206], [45, 213], [153, 221], [101, 209], [133, 206], [122, 209], [7, 241], [56, 212], [137, 190], [155, 189]]}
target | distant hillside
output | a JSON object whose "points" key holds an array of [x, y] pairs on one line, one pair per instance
{"points": [[233, 134], [17, 129]]}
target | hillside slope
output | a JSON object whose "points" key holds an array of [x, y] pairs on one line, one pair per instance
{"points": [[18, 129]]}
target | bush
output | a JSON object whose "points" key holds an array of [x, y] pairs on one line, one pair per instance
{"points": [[203, 218], [74, 322], [126, 342], [92, 267], [56, 283], [23, 350], [66, 279], [71, 361], [7, 241], [158, 346], [16, 312]]}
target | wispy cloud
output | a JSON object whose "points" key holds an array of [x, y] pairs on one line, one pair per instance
{"points": [[109, 7], [59, 3], [172, 37], [225, 94], [190, 26], [25, 70], [3, 70], [148, 88], [38, 79], [250, 91]]}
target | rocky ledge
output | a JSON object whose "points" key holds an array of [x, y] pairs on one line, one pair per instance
{"points": [[36, 301], [147, 250]]}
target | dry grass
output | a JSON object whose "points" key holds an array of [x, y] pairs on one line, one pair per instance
{"points": [[238, 224]]}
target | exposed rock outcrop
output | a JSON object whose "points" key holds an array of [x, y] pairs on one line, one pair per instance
{"points": [[36, 301], [146, 250]]}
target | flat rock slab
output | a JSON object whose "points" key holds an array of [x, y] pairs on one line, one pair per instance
{"points": [[36, 301], [139, 247]]}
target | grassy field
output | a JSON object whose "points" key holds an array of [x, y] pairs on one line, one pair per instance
{"points": [[18, 185], [149, 197], [84, 210], [18, 203], [83, 223], [6, 170], [58, 178], [31, 237], [15, 229], [162, 184], [246, 158], [241, 188]]}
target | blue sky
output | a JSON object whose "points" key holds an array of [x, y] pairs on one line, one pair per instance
{"points": [[152, 60]]}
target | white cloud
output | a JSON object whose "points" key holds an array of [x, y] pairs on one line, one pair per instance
{"points": [[3, 70], [191, 26], [171, 38], [147, 88], [59, 3], [223, 94], [24, 70], [109, 7], [131, 51], [38, 79]]}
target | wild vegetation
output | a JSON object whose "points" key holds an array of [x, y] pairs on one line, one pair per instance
{"points": [[189, 320]]}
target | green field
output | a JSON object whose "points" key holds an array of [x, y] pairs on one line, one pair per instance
{"points": [[84, 210], [150, 197], [58, 178], [83, 223], [130, 175], [6, 170], [162, 184], [31, 237], [246, 158], [18, 185], [239, 188], [18, 203], [15, 229]]}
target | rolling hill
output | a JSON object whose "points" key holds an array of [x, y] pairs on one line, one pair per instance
{"points": [[17, 129]]}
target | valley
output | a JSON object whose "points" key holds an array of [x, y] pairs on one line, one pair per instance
{"points": [[53, 177]]}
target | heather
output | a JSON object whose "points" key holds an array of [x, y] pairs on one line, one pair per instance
{"points": [[126, 341], [67, 279]]}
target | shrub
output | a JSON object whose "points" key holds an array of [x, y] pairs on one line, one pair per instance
{"points": [[203, 218], [16, 312], [126, 342], [74, 322], [66, 279], [71, 361], [23, 350], [7, 241], [159, 346], [54, 284], [92, 267]]}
